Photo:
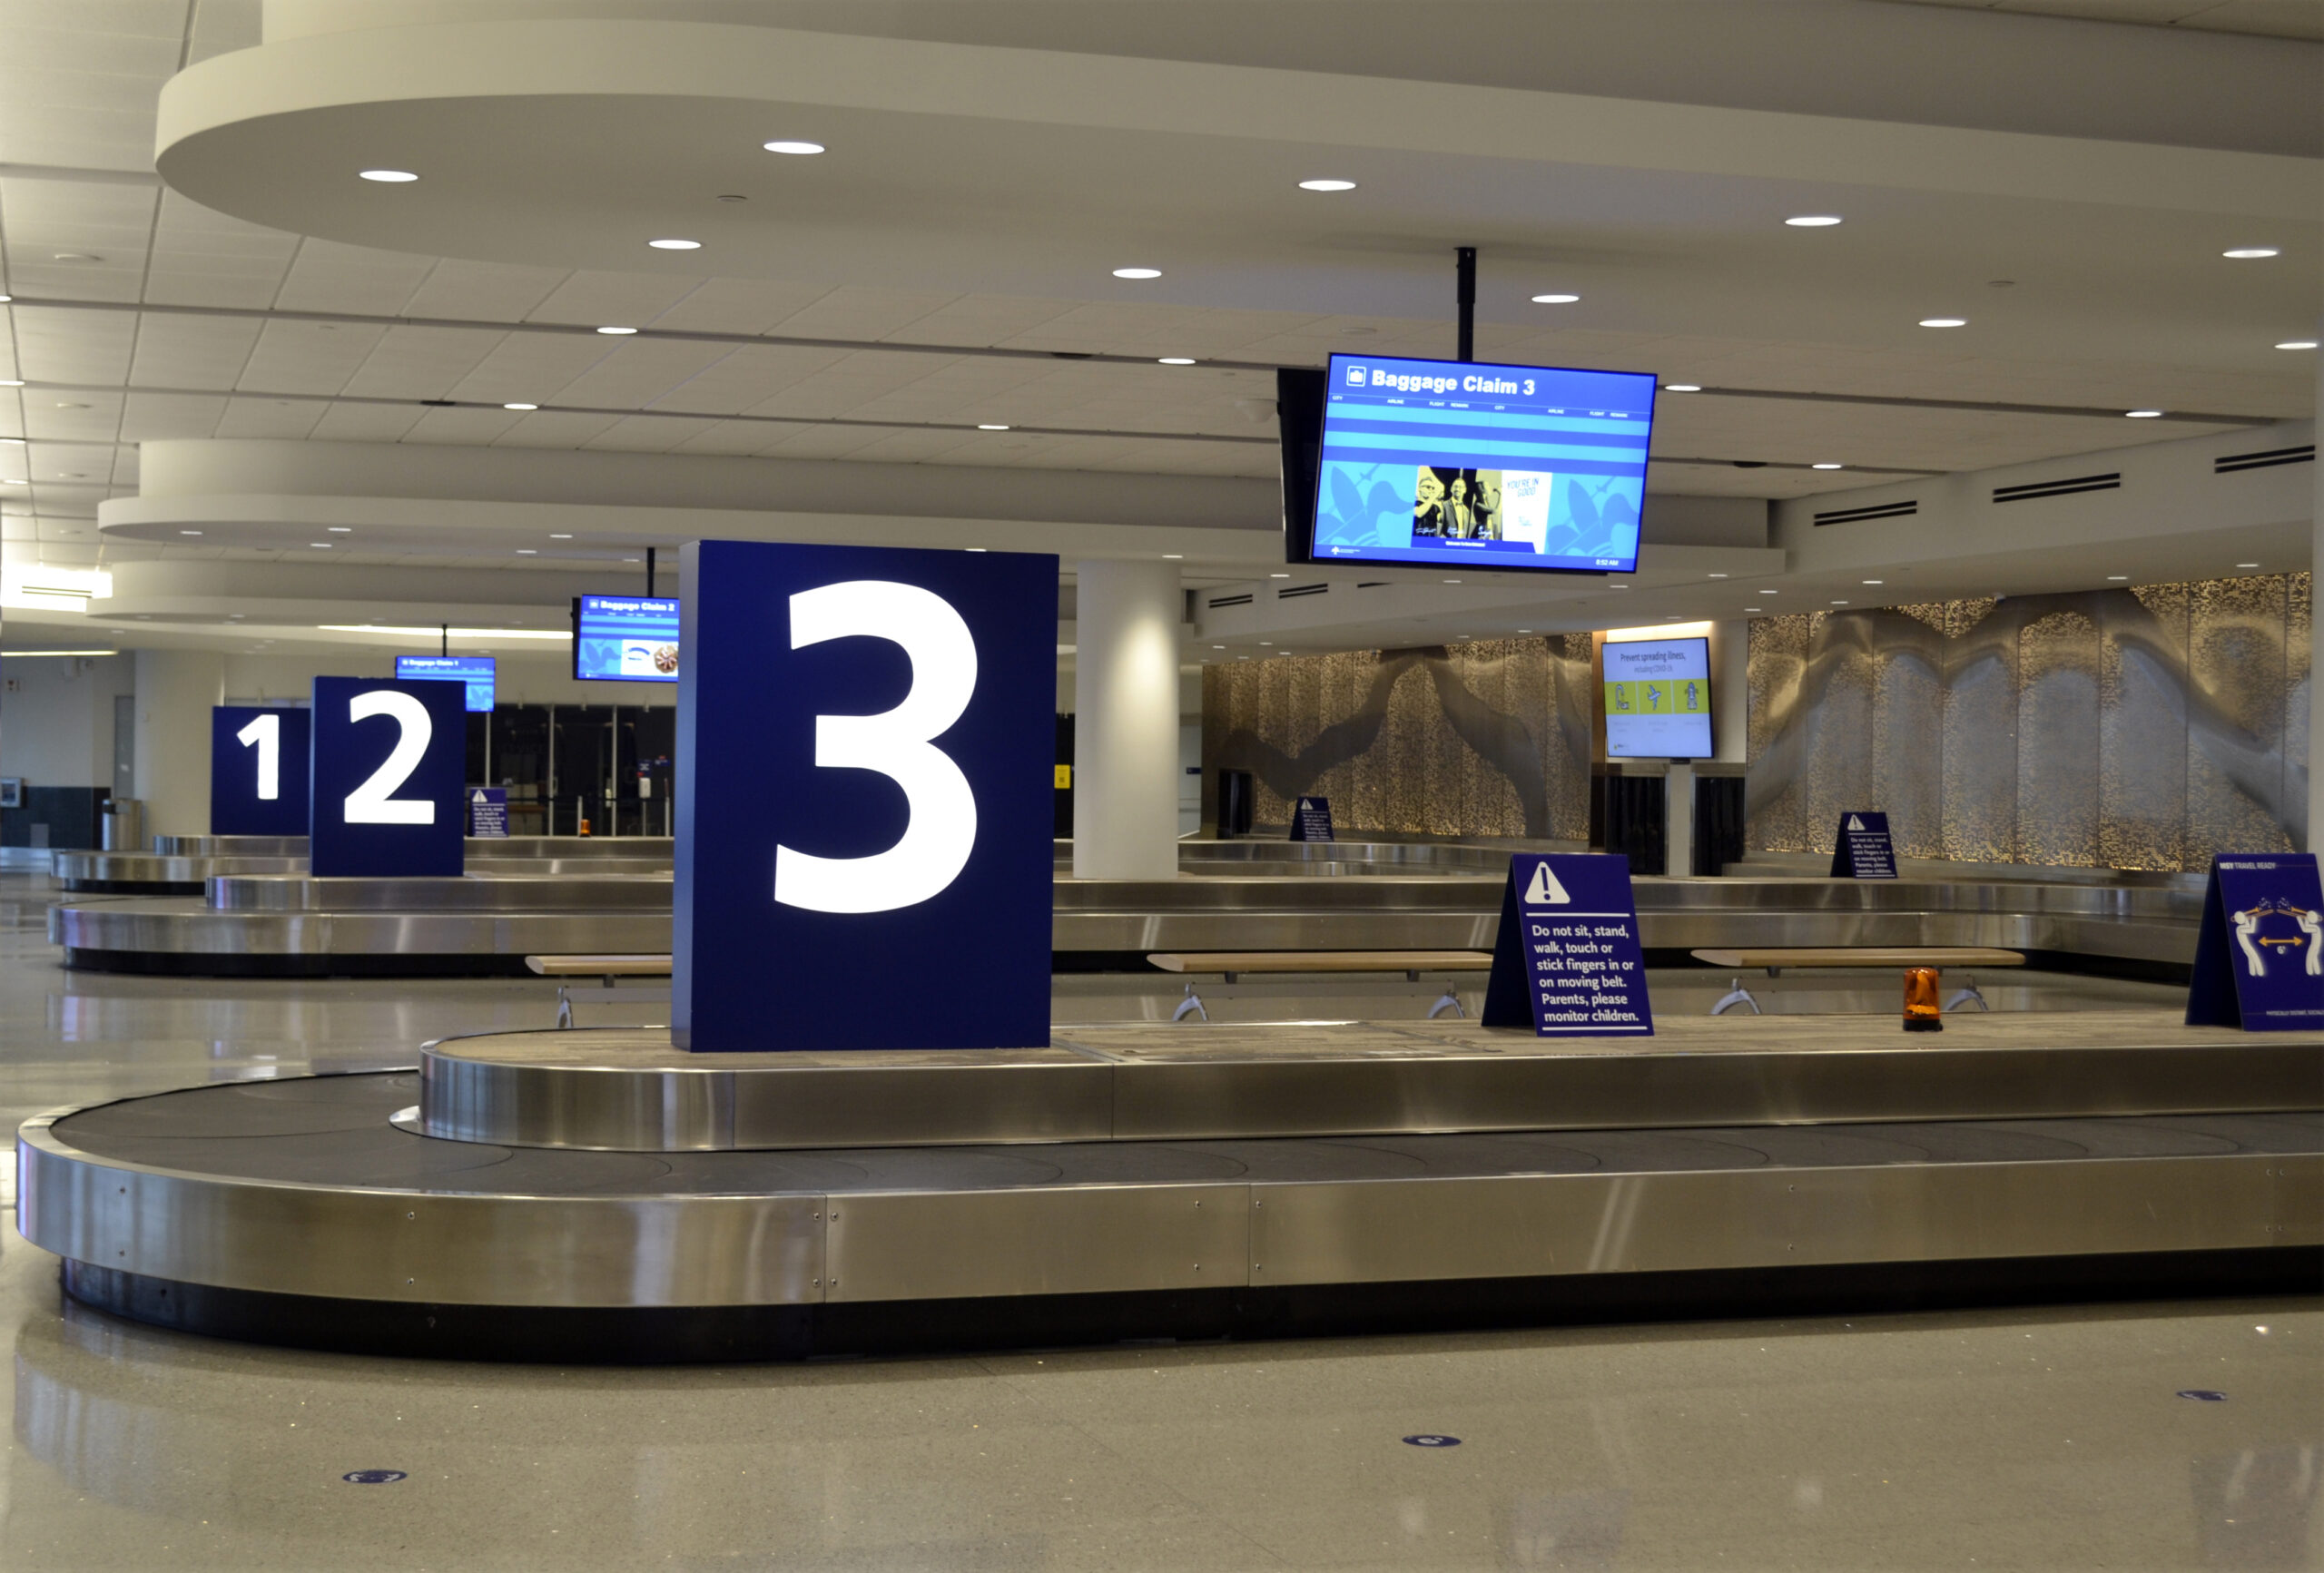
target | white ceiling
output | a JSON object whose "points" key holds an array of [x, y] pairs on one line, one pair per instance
{"points": [[141, 315]]}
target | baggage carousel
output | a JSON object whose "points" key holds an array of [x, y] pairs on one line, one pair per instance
{"points": [[183, 865], [598, 1196], [484, 923]]}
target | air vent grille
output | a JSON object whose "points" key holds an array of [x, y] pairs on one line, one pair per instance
{"points": [[1871, 511], [1293, 592], [2227, 464], [1218, 601], [2032, 490]]}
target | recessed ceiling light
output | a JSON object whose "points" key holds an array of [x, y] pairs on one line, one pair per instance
{"points": [[18, 382], [1945, 323], [2143, 414], [5, 299], [528, 551], [1174, 556], [1137, 272], [674, 244], [990, 427], [616, 329], [1876, 581], [1754, 608], [2247, 564], [1524, 630], [339, 529], [1555, 300], [1715, 575], [1327, 185], [189, 532], [1839, 603], [1269, 644], [2287, 344], [520, 406], [1828, 467], [2116, 578], [14, 440], [319, 545], [1448, 581], [554, 536], [633, 559], [1682, 388], [388, 177], [1176, 360], [800, 148], [1219, 647], [2252, 253], [1813, 221]]}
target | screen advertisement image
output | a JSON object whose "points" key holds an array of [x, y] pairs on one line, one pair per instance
{"points": [[625, 639], [475, 671], [1658, 698], [1441, 463]]}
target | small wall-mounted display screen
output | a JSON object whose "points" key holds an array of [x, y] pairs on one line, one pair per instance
{"points": [[1658, 698], [625, 639], [1451, 463], [475, 671]]}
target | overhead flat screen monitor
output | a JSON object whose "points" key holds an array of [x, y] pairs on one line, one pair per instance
{"points": [[1458, 464], [1658, 698], [475, 671], [625, 638]]}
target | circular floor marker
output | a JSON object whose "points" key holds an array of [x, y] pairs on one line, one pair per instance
{"points": [[2202, 1394], [372, 1476], [1430, 1440]]}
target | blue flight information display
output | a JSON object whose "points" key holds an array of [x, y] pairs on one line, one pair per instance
{"points": [[475, 671], [625, 639], [1444, 462]]}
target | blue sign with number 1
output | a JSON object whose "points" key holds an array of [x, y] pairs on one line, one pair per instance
{"points": [[258, 771], [866, 738]]}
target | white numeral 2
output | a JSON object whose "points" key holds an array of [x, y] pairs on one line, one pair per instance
{"points": [[266, 733], [940, 827], [374, 803]]}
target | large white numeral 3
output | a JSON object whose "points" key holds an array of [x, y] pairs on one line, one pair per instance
{"points": [[941, 824], [266, 732], [374, 803]]}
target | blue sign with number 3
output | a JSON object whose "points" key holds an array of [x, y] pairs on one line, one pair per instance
{"points": [[865, 744]]}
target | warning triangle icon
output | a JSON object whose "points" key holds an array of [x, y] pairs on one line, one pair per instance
{"points": [[479, 796], [1545, 890], [1854, 823]]}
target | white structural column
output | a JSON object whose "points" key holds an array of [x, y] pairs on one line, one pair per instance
{"points": [[2316, 634], [1126, 722], [175, 692]]}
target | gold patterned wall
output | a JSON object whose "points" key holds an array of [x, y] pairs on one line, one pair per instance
{"points": [[1488, 739], [2140, 728]]}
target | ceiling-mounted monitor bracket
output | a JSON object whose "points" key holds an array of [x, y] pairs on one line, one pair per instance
{"points": [[1465, 294]]}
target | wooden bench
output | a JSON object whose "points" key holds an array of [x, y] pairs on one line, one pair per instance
{"points": [[608, 968], [1232, 964], [1774, 960]]}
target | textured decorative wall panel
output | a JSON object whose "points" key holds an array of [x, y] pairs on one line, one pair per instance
{"points": [[2140, 728], [1479, 740]]}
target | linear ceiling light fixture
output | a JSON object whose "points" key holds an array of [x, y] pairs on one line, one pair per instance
{"points": [[388, 177], [1137, 272], [1813, 221], [435, 633], [1945, 323], [797, 149], [673, 243], [2250, 253], [1555, 300], [1327, 185]]}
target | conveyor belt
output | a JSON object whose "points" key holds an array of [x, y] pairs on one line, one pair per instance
{"points": [[302, 1189], [399, 925]]}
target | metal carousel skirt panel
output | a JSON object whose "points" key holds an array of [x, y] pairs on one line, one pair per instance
{"points": [[253, 1197]]}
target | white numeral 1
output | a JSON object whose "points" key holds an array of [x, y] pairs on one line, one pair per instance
{"points": [[374, 803], [265, 734], [941, 828]]}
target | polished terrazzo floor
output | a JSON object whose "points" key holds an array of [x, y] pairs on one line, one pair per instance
{"points": [[2049, 1438]]}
